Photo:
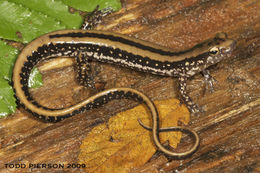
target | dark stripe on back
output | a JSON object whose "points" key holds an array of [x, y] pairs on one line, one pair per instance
{"points": [[122, 40]]}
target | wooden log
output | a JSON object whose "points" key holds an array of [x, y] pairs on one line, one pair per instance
{"points": [[230, 126]]}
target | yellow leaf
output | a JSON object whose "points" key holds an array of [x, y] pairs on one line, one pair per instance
{"points": [[122, 144]]}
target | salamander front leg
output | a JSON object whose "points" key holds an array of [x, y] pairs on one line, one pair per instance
{"points": [[209, 80], [84, 72], [193, 108]]}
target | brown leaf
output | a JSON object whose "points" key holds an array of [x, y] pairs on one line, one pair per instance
{"points": [[122, 144]]}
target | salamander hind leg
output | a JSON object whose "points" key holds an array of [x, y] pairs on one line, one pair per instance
{"points": [[84, 72], [84, 66], [95, 18]]}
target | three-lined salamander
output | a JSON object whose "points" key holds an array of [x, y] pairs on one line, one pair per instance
{"points": [[120, 50]]}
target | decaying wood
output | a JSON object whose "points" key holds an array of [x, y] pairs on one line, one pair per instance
{"points": [[230, 126]]}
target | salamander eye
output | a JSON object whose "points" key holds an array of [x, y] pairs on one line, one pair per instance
{"points": [[214, 51]]}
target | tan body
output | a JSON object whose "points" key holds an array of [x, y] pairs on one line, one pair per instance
{"points": [[120, 50]]}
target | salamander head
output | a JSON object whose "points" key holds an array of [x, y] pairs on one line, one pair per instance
{"points": [[221, 46], [209, 53]]}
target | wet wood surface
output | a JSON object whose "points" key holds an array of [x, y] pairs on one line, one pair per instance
{"points": [[229, 127]]}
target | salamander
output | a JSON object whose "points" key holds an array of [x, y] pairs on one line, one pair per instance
{"points": [[121, 50]]}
